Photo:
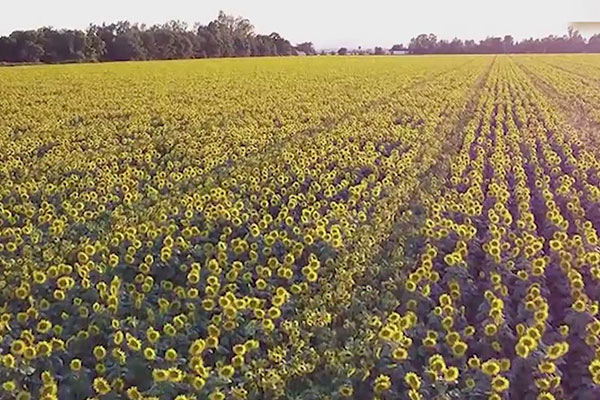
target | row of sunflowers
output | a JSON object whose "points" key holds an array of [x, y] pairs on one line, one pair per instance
{"points": [[497, 295]]}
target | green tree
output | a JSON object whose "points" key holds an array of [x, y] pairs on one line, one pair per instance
{"points": [[423, 44], [306, 47], [27, 46], [593, 45], [95, 48]]}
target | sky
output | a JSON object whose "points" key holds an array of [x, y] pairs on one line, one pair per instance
{"points": [[327, 23]]}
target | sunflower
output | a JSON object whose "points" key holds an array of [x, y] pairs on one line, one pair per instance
{"points": [[216, 395], [175, 375], [30, 353], [547, 367], [469, 330], [412, 380], [8, 361], [346, 391], [542, 383], [451, 374], [75, 365], [594, 367], [490, 329], [500, 383], [490, 367], [43, 348], [198, 383], [17, 347], [9, 386], [171, 355], [545, 396], [99, 353], [579, 305], [149, 354], [226, 372], [399, 354], [160, 375], [474, 362], [382, 384], [452, 337], [437, 363], [101, 386]]}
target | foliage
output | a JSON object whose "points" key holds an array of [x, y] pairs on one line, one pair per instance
{"points": [[573, 42], [226, 36]]}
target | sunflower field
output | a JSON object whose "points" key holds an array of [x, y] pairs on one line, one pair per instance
{"points": [[301, 228]]}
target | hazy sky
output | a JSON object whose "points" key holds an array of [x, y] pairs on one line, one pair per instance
{"points": [[327, 23]]}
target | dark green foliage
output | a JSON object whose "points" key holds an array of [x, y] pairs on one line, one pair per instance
{"points": [[226, 36], [573, 42]]}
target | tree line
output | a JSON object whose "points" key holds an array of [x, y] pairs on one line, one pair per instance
{"points": [[572, 42], [229, 36], [226, 36]]}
